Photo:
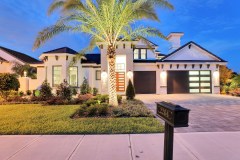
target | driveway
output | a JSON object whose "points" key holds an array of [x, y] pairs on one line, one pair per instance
{"points": [[209, 113]]}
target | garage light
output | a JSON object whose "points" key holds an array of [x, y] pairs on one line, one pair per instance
{"points": [[164, 74], [104, 75], [130, 74]]}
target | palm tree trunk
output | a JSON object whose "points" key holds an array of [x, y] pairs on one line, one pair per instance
{"points": [[111, 55]]}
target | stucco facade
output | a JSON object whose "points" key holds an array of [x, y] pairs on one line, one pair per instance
{"points": [[135, 61]]}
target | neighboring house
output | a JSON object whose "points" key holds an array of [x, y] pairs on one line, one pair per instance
{"points": [[187, 69]]}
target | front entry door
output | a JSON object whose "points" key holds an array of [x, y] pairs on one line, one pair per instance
{"points": [[120, 81]]}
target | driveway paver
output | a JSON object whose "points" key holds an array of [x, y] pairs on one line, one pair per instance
{"points": [[209, 113]]}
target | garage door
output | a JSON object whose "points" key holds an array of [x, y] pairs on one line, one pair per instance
{"points": [[189, 82], [145, 82]]}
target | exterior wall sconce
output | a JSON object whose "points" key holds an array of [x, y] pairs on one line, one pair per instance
{"points": [[164, 74], [104, 75], [25, 73], [130, 74]]}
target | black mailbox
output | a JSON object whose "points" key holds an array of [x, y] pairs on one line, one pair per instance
{"points": [[174, 115]]}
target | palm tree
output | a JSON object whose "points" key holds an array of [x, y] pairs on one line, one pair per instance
{"points": [[106, 21]]}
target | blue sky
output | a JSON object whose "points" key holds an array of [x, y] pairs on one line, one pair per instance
{"points": [[214, 24]]}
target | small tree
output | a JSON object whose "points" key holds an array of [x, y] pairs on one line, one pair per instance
{"points": [[19, 69], [45, 91], [130, 92], [85, 88], [64, 91], [8, 82]]}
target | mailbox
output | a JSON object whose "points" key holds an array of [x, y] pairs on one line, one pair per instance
{"points": [[174, 115]]}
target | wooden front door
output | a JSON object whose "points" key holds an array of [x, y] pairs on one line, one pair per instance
{"points": [[120, 81]]}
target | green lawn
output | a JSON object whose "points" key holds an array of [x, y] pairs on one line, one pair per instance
{"points": [[37, 119]]}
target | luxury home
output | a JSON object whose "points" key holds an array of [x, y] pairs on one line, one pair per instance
{"points": [[186, 69]]}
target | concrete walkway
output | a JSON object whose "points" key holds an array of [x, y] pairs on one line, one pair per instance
{"points": [[187, 146]]}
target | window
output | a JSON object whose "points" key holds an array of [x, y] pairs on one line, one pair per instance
{"points": [[73, 76], [200, 81], [143, 53], [120, 67], [136, 55], [57, 78], [98, 75], [140, 54]]}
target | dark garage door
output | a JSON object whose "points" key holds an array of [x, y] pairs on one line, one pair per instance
{"points": [[145, 82], [177, 82]]}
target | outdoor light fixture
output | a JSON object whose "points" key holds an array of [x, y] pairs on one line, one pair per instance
{"points": [[130, 74], [25, 73], [104, 75], [164, 74], [216, 74]]}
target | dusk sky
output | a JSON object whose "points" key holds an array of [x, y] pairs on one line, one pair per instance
{"points": [[214, 24]]}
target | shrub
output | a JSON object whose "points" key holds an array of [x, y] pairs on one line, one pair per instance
{"points": [[55, 101], [92, 102], [64, 91], [105, 98], [36, 93], [21, 93], [8, 82], [95, 91], [74, 91], [45, 91], [103, 109], [92, 110], [132, 108], [130, 92], [85, 88], [29, 93]]}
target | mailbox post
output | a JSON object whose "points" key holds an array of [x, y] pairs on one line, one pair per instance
{"points": [[174, 116]]}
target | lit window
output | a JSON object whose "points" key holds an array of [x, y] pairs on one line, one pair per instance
{"points": [[194, 84], [205, 90], [98, 75], [73, 76], [205, 78], [193, 78], [205, 84], [120, 67], [143, 54], [194, 90], [136, 54], [57, 78], [205, 72], [193, 72]]}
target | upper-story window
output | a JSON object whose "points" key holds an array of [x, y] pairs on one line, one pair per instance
{"points": [[140, 54]]}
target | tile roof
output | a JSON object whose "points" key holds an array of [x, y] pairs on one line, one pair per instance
{"points": [[21, 56], [62, 50]]}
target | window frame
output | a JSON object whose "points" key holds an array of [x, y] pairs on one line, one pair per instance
{"points": [[96, 73], [69, 75], [139, 53], [53, 84]]}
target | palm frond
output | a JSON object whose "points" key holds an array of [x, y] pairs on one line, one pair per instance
{"points": [[55, 5]]}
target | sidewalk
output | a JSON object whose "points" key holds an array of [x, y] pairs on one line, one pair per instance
{"points": [[187, 146]]}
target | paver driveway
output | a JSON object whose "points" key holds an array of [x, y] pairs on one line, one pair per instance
{"points": [[209, 113]]}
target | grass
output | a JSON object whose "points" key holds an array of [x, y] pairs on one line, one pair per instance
{"points": [[37, 119]]}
